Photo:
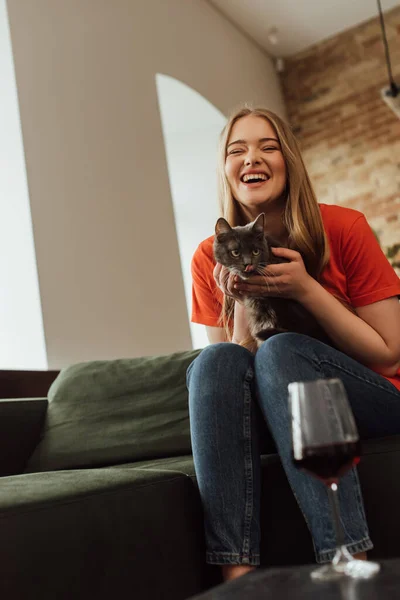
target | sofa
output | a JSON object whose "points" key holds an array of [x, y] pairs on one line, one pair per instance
{"points": [[99, 497]]}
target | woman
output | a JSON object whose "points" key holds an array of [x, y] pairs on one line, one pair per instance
{"points": [[340, 265]]}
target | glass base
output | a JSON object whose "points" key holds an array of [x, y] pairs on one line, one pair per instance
{"points": [[344, 565]]}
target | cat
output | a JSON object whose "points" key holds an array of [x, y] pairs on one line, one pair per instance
{"points": [[246, 251]]}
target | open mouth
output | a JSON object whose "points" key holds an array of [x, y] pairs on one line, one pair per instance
{"points": [[254, 178]]}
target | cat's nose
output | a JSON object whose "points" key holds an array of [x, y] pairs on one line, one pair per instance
{"points": [[249, 268]]}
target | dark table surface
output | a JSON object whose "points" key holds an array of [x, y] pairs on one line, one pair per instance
{"points": [[295, 583]]}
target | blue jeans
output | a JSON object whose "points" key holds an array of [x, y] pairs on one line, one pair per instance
{"points": [[227, 388]]}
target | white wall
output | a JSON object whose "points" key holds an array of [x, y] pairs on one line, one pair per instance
{"points": [[191, 127], [22, 344], [107, 252]]}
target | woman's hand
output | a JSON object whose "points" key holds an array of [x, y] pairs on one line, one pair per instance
{"points": [[286, 280], [225, 280]]}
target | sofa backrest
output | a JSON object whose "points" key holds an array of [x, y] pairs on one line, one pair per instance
{"points": [[111, 412]]}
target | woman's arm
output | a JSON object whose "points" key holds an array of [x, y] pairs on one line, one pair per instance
{"points": [[241, 331], [240, 328], [372, 336], [225, 280], [216, 334]]}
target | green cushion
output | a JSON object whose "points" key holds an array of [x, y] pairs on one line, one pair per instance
{"points": [[98, 533], [110, 412], [175, 464]]}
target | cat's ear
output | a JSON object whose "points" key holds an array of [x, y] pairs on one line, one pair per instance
{"points": [[222, 226], [258, 225]]}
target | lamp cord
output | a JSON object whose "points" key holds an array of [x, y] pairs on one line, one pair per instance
{"points": [[393, 86]]}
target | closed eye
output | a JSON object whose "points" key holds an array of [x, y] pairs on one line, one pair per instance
{"points": [[235, 253]]}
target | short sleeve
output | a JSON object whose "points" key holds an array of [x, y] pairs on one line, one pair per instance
{"points": [[370, 276], [206, 297]]}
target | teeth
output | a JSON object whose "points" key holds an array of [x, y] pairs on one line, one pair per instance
{"points": [[252, 176]]}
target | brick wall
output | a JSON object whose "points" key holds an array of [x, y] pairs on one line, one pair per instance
{"points": [[349, 136]]}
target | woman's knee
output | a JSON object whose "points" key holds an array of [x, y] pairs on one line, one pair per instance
{"points": [[278, 348], [276, 363], [220, 359], [224, 353]]}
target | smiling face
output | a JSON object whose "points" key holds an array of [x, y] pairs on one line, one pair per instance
{"points": [[254, 165]]}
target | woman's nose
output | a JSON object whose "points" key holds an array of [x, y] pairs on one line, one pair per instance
{"points": [[252, 157]]}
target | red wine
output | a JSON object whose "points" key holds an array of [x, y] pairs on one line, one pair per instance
{"points": [[329, 462]]}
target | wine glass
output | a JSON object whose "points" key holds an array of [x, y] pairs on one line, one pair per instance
{"points": [[326, 445]]}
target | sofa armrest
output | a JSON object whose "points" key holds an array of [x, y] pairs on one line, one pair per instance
{"points": [[21, 422], [26, 384]]}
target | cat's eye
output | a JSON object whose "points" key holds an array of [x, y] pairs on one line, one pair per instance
{"points": [[256, 252], [235, 253]]}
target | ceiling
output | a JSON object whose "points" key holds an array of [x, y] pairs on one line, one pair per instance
{"points": [[300, 23]]}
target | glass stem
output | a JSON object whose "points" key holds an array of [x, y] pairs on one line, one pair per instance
{"points": [[334, 500]]}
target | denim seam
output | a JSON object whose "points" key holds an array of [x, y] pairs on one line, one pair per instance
{"points": [[248, 460], [228, 558], [188, 371], [299, 504], [302, 512], [300, 507], [360, 505], [353, 547], [319, 361], [333, 363]]}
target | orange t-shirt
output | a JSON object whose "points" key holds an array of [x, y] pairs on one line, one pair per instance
{"points": [[358, 271]]}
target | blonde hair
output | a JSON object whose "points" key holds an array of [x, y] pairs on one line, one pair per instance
{"points": [[302, 217]]}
